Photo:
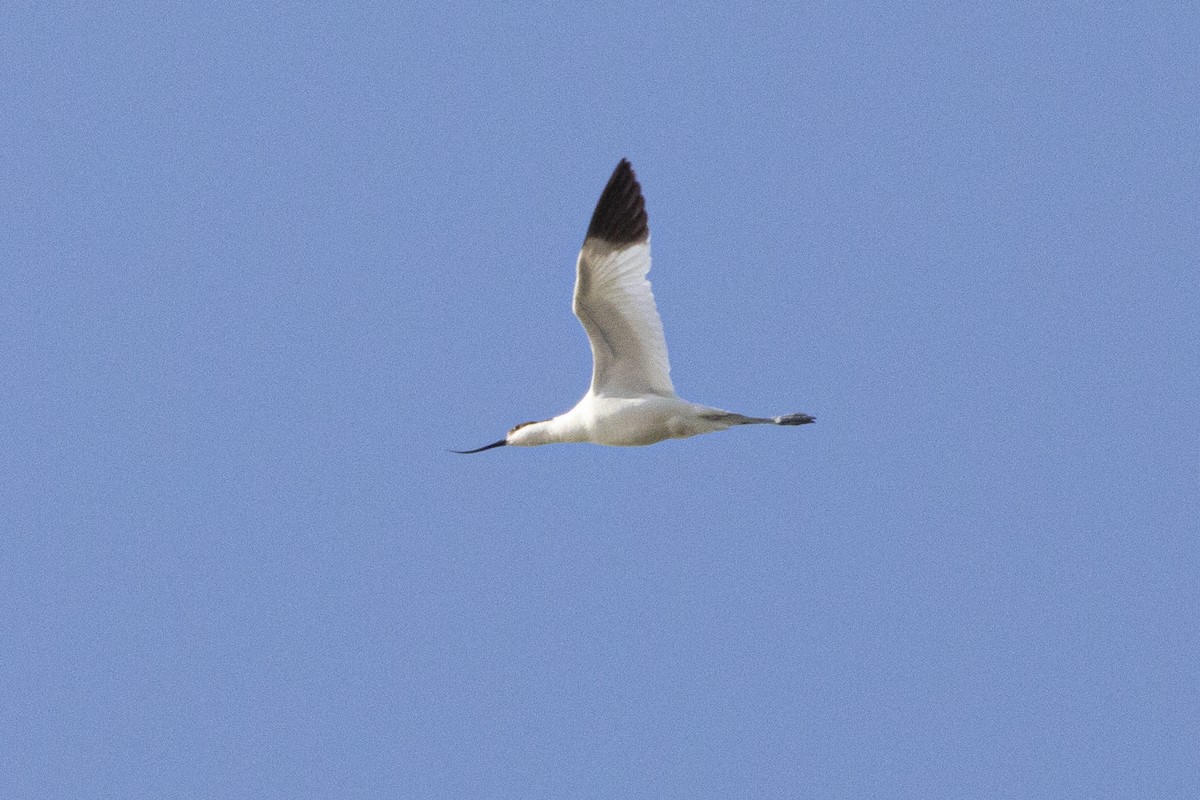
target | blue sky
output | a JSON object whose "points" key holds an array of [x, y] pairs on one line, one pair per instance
{"points": [[264, 265]]}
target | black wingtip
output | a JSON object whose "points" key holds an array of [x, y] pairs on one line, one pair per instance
{"points": [[620, 215], [500, 443]]}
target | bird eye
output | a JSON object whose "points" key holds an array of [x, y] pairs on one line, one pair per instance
{"points": [[522, 425]]}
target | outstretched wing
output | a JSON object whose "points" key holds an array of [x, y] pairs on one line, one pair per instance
{"points": [[613, 298]]}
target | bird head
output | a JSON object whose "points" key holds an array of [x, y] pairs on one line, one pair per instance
{"points": [[527, 434]]}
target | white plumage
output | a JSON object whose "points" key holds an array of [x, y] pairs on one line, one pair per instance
{"points": [[614, 302], [631, 400]]}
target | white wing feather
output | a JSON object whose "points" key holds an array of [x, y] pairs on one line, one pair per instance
{"points": [[614, 302]]}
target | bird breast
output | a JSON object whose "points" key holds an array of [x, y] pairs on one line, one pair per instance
{"points": [[635, 421]]}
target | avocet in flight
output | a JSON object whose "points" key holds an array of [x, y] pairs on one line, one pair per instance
{"points": [[631, 400]]}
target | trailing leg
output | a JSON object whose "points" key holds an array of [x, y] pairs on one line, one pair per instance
{"points": [[794, 419], [729, 419]]}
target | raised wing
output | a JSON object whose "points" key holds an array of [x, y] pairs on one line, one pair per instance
{"points": [[613, 299]]}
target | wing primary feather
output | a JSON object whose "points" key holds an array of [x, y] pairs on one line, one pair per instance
{"points": [[620, 215]]}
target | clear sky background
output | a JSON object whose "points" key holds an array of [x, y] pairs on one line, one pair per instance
{"points": [[263, 265]]}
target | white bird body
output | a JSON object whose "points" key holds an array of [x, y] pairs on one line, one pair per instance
{"points": [[631, 400], [624, 422]]}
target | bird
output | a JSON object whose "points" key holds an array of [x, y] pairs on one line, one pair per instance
{"points": [[631, 400]]}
